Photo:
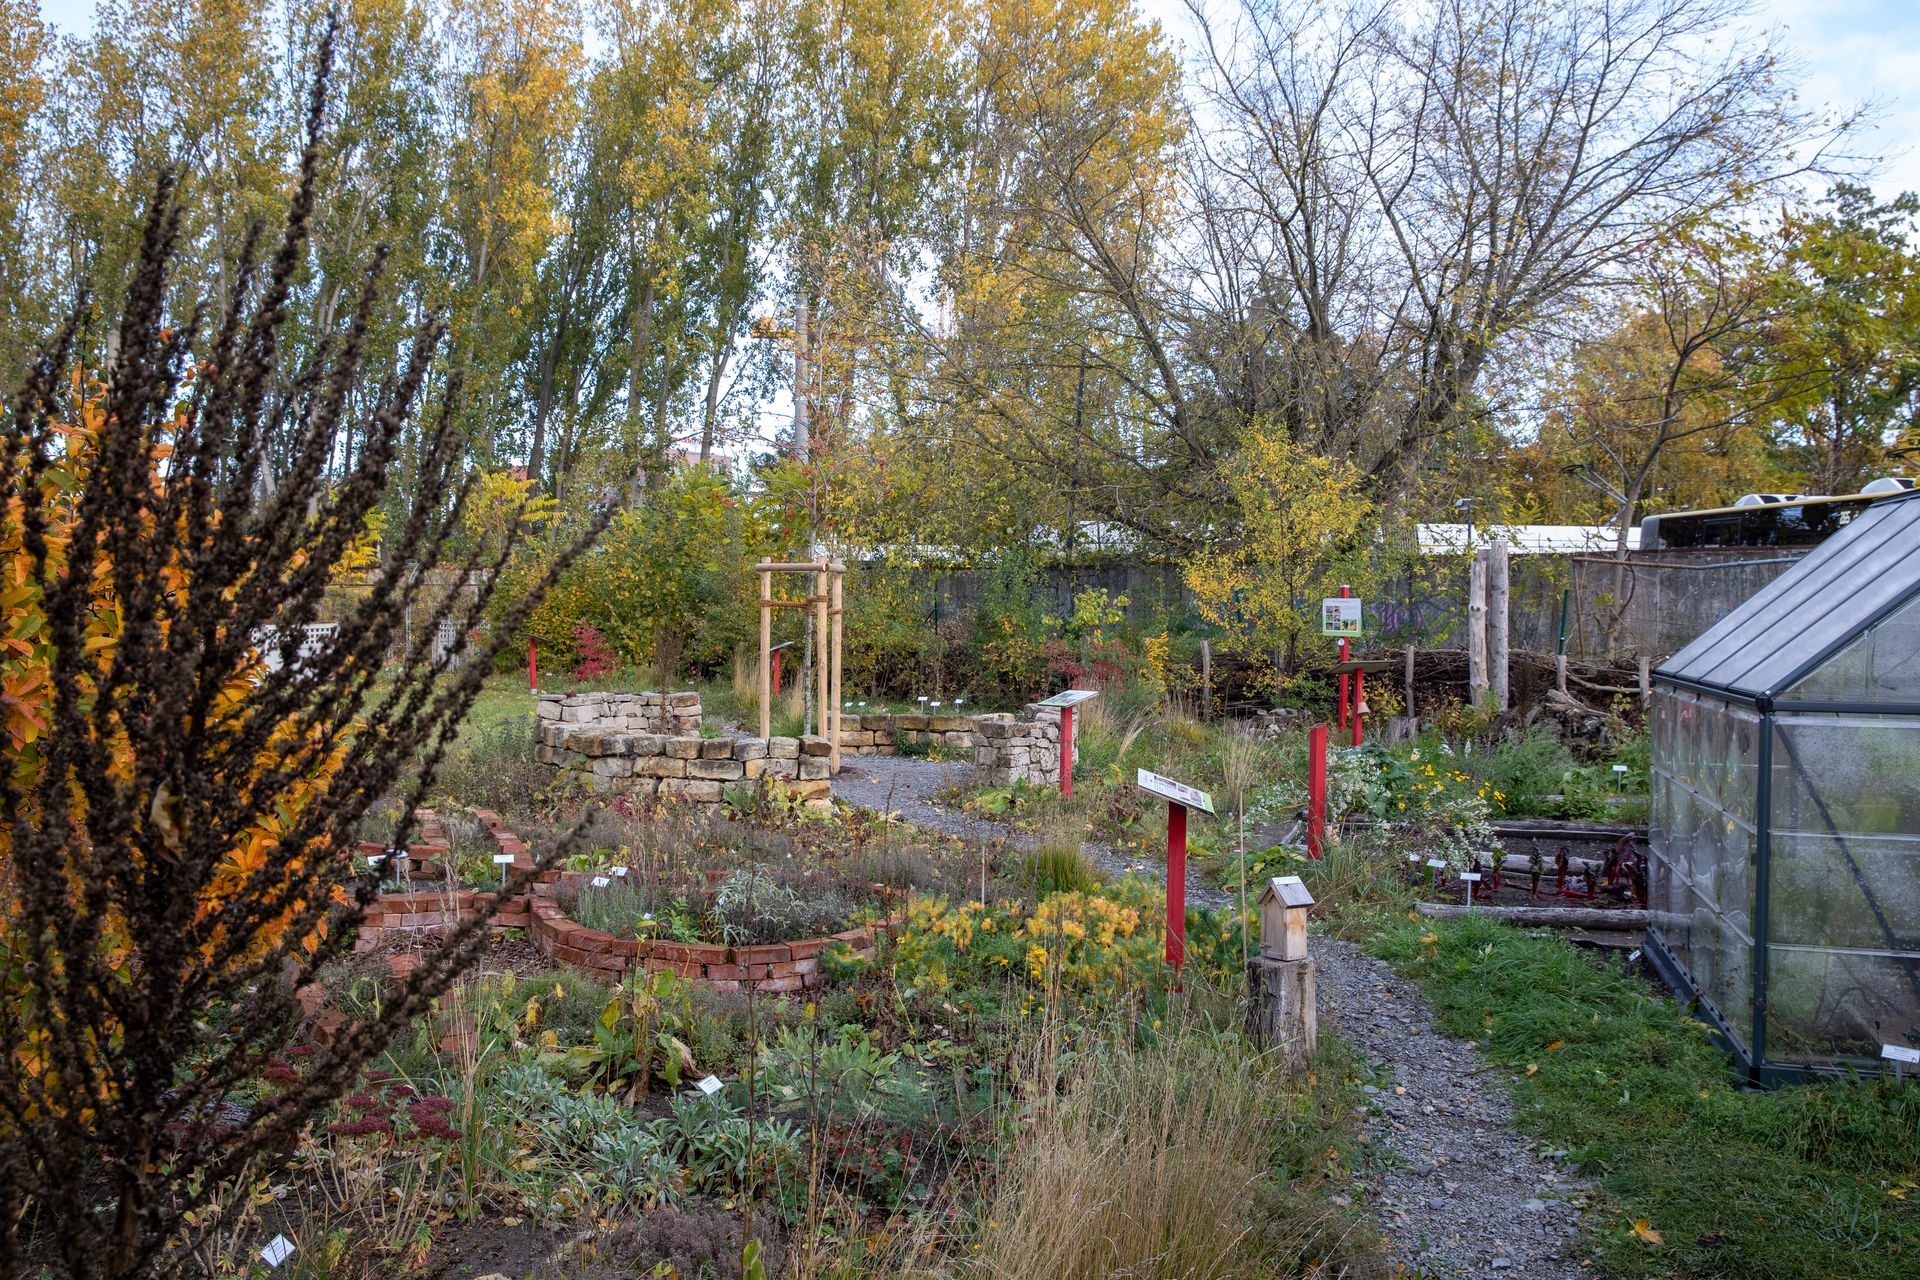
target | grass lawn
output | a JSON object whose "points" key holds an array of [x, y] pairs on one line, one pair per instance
{"points": [[1700, 1178]]}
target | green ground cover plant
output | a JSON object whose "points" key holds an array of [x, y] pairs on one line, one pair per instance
{"points": [[1700, 1178]]}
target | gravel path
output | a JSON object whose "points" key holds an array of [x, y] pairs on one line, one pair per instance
{"points": [[1457, 1192], [906, 786]]}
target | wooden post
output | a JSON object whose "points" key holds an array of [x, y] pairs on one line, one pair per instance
{"points": [[839, 626], [1499, 599], [1206, 679], [1410, 711], [820, 663], [1646, 682], [1477, 683], [766, 643], [1560, 672], [1281, 993]]}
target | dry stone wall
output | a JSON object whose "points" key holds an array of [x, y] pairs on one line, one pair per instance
{"points": [[667, 713], [678, 767], [1023, 750]]}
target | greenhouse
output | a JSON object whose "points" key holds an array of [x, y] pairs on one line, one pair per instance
{"points": [[1785, 870]]}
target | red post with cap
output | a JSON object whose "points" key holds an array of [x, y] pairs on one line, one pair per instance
{"points": [[1066, 752], [1176, 883], [533, 668]]}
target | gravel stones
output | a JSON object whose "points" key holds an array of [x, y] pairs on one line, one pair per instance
{"points": [[1462, 1194]]}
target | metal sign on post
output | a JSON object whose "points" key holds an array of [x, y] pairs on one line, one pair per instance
{"points": [[1179, 797], [1067, 701], [1340, 616]]}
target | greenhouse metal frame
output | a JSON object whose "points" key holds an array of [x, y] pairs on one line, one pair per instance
{"points": [[1784, 877]]}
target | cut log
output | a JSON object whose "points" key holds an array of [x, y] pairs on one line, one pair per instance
{"points": [[1545, 917]]}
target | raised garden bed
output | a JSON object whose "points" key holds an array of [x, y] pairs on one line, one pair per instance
{"points": [[769, 967], [436, 910]]}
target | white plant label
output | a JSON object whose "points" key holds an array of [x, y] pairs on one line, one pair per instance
{"points": [[601, 882], [620, 871], [1633, 955], [710, 1086], [1436, 863], [1899, 1053], [1471, 877], [278, 1250], [1619, 768], [502, 859]]}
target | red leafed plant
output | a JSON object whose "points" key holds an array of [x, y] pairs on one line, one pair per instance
{"points": [[596, 657]]}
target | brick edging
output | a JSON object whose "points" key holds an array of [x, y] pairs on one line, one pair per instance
{"points": [[438, 910], [767, 967]]}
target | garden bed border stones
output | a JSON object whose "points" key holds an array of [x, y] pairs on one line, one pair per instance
{"points": [[770, 968]]}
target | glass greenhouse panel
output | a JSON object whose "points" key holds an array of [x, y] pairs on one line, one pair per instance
{"points": [[1846, 775], [1882, 664], [1827, 1005]]}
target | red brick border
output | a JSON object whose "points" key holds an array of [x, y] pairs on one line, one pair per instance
{"points": [[771, 967], [439, 910]]}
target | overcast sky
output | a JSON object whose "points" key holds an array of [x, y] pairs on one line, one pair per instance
{"points": [[1853, 51]]}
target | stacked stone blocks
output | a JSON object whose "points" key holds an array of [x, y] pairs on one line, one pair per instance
{"points": [[1024, 750]]}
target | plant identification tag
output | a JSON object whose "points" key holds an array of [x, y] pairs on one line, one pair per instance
{"points": [[278, 1250], [1471, 877], [710, 1086], [601, 882], [1900, 1053], [1436, 863], [502, 859], [619, 871]]}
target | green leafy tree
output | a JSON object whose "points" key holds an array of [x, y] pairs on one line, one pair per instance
{"points": [[1304, 520], [1848, 332]]}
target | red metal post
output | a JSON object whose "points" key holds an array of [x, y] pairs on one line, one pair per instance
{"points": [[777, 655], [1316, 790], [1359, 693], [1066, 752], [1345, 653], [1176, 883], [533, 668]]}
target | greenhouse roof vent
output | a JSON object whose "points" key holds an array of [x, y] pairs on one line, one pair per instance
{"points": [[1839, 631]]}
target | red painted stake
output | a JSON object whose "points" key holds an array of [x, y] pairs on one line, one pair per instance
{"points": [[1176, 883], [1316, 790], [1066, 752], [1345, 653], [777, 655], [533, 668], [1359, 693]]}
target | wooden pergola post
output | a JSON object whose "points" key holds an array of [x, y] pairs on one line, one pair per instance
{"points": [[839, 574], [820, 663], [766, 644], [823, 606]]}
